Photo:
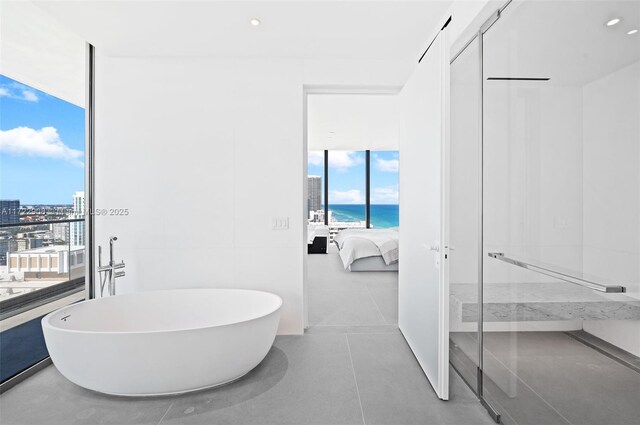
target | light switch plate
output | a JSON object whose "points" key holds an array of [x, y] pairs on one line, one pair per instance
{"points": [[279, 223]]}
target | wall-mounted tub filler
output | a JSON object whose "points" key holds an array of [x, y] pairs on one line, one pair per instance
{"points": [[108, 273], [164, 342]]}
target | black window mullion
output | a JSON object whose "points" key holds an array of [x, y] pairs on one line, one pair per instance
{"points": [[368, 189], [326, 187]]}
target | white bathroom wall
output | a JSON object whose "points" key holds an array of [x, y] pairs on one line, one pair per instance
{"points": [[205, 153], [611, 191], [533, 177], [612, 176]]}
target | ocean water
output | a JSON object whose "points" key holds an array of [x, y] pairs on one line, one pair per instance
{"points": [[382, 216]]}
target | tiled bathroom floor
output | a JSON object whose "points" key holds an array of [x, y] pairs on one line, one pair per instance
{"points": [[339, 378], [341, 298], [536, 378]]}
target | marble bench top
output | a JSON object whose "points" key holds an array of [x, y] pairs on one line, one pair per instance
{"points": [[517, 302]]}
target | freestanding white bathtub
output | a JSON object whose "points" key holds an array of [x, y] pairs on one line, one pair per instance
{"points": [[162, 342]]}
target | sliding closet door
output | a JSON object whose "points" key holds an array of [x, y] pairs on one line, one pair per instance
{"points": [[423, 278]]}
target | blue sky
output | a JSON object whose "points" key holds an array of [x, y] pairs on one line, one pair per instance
{"points": [[347, 176], [41, 146]]}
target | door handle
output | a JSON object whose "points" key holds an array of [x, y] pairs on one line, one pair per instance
{"points": [[435, 247]]}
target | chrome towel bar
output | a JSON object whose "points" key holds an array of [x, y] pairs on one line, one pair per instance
{"points": [[559, 275]]}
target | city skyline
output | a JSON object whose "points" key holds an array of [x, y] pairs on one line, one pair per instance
{"points": [[13, 211], [41, 146]]}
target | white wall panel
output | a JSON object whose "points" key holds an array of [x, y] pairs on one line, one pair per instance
{"points": [[611, 129]]}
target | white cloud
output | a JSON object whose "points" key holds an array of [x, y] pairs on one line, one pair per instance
{"points": [[18, 91], [29, 96], [352, 196], [387, 165], [316, 157], [46, 142], [341, 160], [384, 195]]}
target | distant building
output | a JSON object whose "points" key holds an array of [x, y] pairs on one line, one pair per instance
{"points": [[23, 244], [54, 262], [60, 232], [318, 216], [314, 200], [7, 245], [76, 231], [9, 211]]}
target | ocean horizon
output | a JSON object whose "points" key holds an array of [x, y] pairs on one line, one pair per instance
{"points": [[382, 215]]}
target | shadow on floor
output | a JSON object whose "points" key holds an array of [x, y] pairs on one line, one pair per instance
{"points": [[260, 380]]}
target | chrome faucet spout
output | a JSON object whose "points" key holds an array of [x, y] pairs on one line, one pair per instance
{"points": [[112, 239]]}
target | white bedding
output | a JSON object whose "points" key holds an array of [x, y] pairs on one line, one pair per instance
{"points": [[319, 230], [362, 243]]}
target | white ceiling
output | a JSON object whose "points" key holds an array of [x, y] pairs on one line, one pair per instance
{"points": [[566, 41], [38, 51], [352, 122], [289, 29]]}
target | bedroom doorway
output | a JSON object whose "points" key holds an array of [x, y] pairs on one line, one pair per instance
{"points": [[351, 211]]}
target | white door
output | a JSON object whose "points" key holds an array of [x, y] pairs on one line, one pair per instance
{"points": [[423, 279]]}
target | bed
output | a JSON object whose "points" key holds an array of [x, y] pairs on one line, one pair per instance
{"points": [[368, 249]]}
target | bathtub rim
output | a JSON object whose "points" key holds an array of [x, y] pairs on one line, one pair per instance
{"points": [[46, 320]]}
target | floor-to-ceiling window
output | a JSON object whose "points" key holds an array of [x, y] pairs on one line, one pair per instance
{"points": [[384, 168], [42, 192], [344, 178], [42, 174], [347, 188]]}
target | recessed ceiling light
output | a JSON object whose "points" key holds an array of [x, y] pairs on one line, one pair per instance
{"points": [[255, 22], [613, 22], [632, 32]]}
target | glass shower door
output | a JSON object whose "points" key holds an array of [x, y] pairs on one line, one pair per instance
{"points": [[464, 213], [561, 207]]}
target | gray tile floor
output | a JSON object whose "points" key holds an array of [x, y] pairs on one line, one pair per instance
{"points": [[349, 368], [312, 379], [341, 298], [550, 378]]}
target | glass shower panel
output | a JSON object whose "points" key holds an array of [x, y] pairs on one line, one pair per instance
{"points": [[42, 171], [465, 212], [561, 206]]}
